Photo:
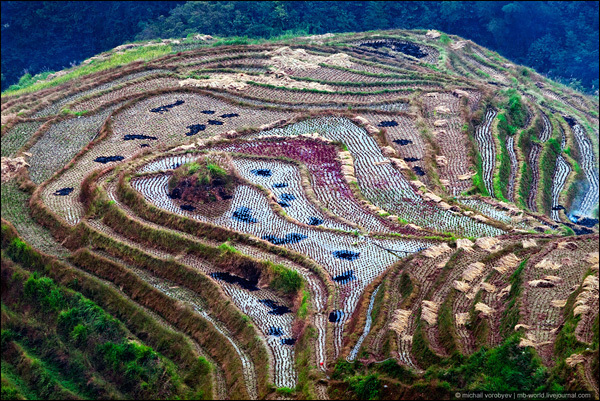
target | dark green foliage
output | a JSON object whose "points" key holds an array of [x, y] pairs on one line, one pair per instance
{"points": [[502, 175], [538, 34], [365, 387], [204, 171], [344, 369], [510, 316], [504, 368], [447, 331], [525, 143], [45, 292], [406, 286], [27, 80], [444, 39], [61, 344], [477, 324], [566, 342], [46, 35], [555, 145], [517, 112], [136, 362], [201, 368], [285, 280], [19, 250], [134, 367], [205, 180], [9, 393], [306, 369], [392, 369], [420, 347]]}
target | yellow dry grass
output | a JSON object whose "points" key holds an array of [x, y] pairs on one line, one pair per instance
{"points": [[466, 176], [400, 321], [465, 244], [441, 161], [473, 271], [437, 250], [592, 258], [541, 283], [507, 263], [432, 34], [553, 279], [587, 296], [239, 82], [461, 318], [399, 163], [484, 309], [429, 312], [430, 196], [487, 243], [505, 291], [547, 264], [461, 286], [285, 58], [491, 288], [575, 359], [559, 303]]}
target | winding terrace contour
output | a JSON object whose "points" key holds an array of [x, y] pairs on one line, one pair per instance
{"points": [[360, 176]]}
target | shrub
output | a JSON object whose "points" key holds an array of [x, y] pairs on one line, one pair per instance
{"points": [[393, 369], [226, 247], [285, 280], [365, 387], [505, 368]]}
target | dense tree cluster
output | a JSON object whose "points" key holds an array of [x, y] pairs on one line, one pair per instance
{"points": [[39, 36], [557, 38]]}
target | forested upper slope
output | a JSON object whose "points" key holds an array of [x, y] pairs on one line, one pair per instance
{"points": [[559, 39]]}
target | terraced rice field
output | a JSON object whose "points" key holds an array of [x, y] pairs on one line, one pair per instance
{"points": [[364, 224], [487, 148]]}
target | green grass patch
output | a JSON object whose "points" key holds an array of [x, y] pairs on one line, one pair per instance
{"points": [[365, 387], [115, 60], [406, 285], [510, 316], [284, 279], [502, 175], [421, 349], [79, 336], [446, 329], [228, 248], [505, 368], [525, 143]]}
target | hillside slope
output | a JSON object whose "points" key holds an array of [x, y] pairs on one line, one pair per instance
{"points": [[400, 196]]}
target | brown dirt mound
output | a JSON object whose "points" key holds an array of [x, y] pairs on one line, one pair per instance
{"points": [[208, 183]]}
